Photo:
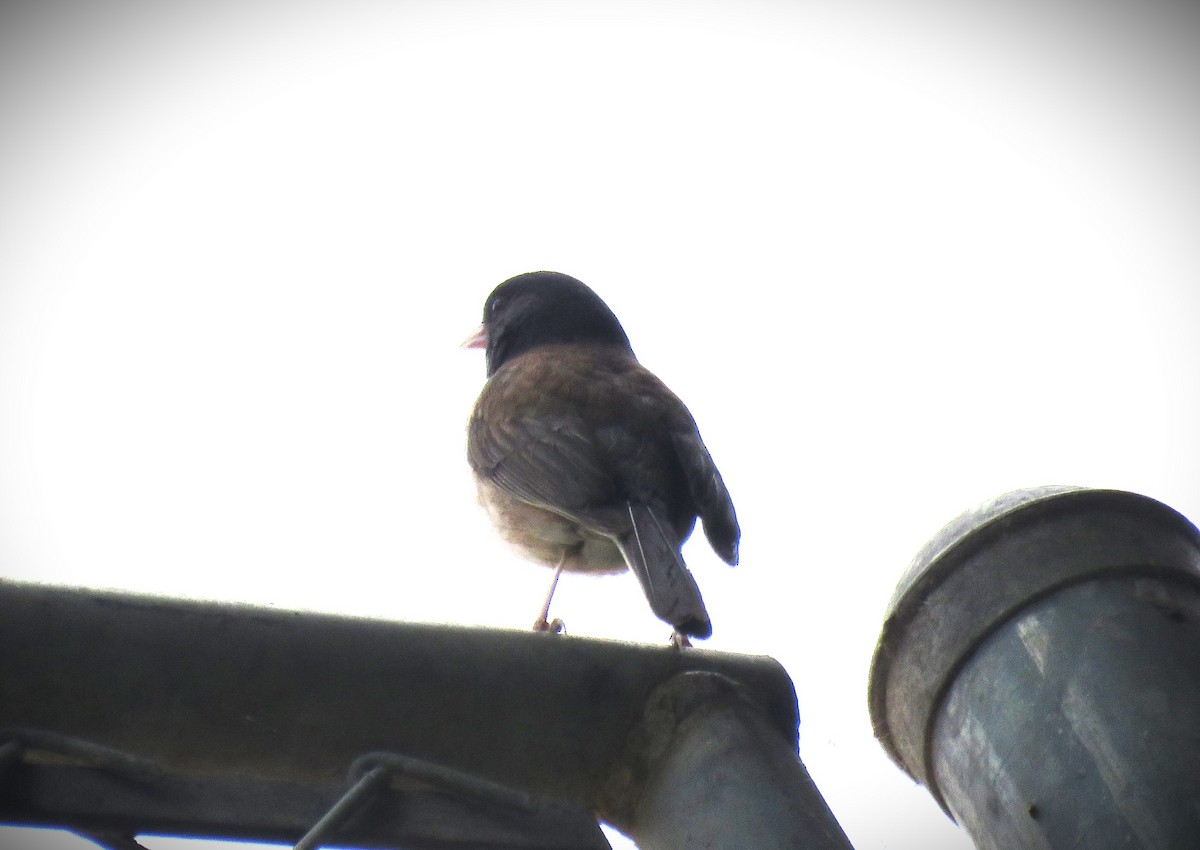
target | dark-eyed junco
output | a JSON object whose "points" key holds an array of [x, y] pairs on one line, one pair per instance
{"points": [[583, 459]]}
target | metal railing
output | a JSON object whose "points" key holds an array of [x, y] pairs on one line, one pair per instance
{"points": [[129, 715]]}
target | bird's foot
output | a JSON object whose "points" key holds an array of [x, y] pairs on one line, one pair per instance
{"points": [[679, 640], [555, 626]]}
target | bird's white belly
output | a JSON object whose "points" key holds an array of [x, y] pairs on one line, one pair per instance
{"points": [[544, 537]]}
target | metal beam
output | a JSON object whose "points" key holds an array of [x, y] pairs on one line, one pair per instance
{"points": [[93, 801], [232, 690], [232, 693]]}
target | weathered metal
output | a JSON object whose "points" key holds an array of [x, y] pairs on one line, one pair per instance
{"points": [[709, 771], [1039, 672], [268, 710], [96, 803]]}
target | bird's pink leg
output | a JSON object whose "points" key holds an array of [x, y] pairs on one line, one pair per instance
{"points": [[679, 640], [541, 624]]}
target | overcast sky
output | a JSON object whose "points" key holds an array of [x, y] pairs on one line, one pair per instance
{"points": [[898, 258]]}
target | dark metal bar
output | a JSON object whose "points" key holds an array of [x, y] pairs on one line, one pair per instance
{"points": [[372, 772], [710, 770], [233, 694], [396, 764], [231, 690], [11, 752], [94, 802], [366, 787], [87, 752]]}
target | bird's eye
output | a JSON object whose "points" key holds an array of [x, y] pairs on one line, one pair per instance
{"points": [[496, 302]]}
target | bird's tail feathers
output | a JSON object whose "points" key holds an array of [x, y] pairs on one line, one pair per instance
{"points": [[652, 553]]}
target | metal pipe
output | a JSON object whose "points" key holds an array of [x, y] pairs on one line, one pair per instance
{"points": [[708, 769], [1039, 672], [231, 690], [222, 695]]}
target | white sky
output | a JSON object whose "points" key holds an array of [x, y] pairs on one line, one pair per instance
{"points": [[897, 258]]}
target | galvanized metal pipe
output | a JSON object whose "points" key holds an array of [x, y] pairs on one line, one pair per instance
{"points": [[710, 771], [1039, 672]]}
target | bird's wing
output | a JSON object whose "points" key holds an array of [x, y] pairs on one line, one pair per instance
{"points": [[550, 461], [704, 483], [712, 500], [554, 462]]}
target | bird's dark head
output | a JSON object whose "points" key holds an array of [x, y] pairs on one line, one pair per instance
{"points": [[543, 308]]}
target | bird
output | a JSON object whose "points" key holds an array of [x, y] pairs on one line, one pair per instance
{"points": [[583, 459]]}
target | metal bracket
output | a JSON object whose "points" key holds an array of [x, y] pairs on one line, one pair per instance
{"points": [[18, 742], [109, 797], [371, 773]]}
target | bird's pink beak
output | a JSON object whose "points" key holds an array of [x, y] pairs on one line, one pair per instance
{"points": [[477, 339]]}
